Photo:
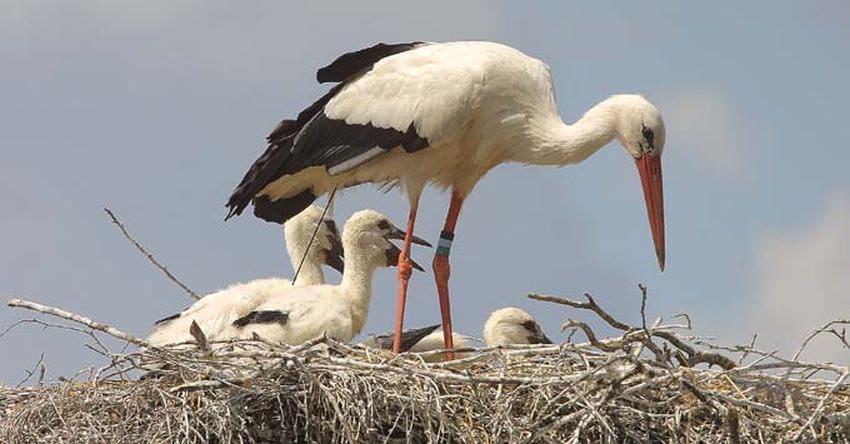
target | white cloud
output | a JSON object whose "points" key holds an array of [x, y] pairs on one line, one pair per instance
{"points": [[710, 132], [803, 281]]}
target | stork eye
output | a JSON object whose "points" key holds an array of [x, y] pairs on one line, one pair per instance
{"points": [[649, 136], [384, 224]]}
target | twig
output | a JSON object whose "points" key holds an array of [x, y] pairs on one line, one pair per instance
{"points": [[643, 307], [823, 329], [150, 257], [58, 312], [696, 357], [589, 305], [819, 409], [686, 318], [38, 365], [200, 338]]}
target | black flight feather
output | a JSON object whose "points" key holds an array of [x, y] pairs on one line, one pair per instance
{"points": [[313, 139], [167, 318], [351, 63], [409, 338]]}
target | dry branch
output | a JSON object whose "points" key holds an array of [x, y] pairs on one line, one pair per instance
{"points": [[150, 257], [58, 312]]}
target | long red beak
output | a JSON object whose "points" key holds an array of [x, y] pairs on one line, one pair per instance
{"points": [[649, 167]]}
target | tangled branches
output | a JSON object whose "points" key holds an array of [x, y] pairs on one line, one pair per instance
{"points": [[644, 383]]}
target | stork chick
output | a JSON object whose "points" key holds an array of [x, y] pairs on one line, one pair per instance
{"points": [[340, 311], [505, 326], [216, 311], [511, 325]]}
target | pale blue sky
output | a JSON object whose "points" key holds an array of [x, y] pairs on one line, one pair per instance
{"points": [[156, 109]]}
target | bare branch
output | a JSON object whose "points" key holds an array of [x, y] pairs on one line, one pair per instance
{"points": [[826, 328], [589, 305], [39, 365], [150, 257], [58, 312], [643, 307]]}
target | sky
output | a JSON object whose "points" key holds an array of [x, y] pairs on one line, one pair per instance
{"points": [[155, 109]]}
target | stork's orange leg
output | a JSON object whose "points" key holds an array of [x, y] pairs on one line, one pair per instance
{"points": [[404, 271], [442, 269]]}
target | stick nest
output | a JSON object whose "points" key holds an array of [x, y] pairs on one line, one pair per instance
{"points": [[645, 383]]}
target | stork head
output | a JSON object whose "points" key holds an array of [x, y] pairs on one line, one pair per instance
{"points": [[326, 247], [640, 129], [367, 237], [512, 325]]}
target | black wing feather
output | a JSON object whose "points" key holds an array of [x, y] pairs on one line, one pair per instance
{"points": [[281, 210], [262, 317], [264, 171], [168, 318], [409, 338], [313, 139], [351, 63], [329, 142]]}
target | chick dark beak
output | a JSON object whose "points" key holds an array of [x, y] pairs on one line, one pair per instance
{"points": [[541, 339], [393, 253], [334, 256], [334, 259], [398, 234], [535, 333]]}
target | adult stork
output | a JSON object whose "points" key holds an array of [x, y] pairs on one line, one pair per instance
{"points": [[443, 113]]}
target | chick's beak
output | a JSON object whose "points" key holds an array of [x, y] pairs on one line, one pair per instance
{"points": [[541, 339], [334, 255], [398, 234], [393, 252]]}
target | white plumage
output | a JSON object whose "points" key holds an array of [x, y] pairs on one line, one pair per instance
{"points": [[434, 341], [215, 312], [479, 104], [446, 114], [340, 311], [511, 325]]}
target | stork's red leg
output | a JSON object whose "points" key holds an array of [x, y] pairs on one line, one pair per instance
{"points": [[442, 270], [404, 271]]}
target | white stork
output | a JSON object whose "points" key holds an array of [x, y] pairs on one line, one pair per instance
{"points": [[340, 311], [505, 326], [511, 325], [215, 311], [442, 113]]}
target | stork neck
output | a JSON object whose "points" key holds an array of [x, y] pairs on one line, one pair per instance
{"points": [[311, 271], [553, 142], [356, 287]]}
